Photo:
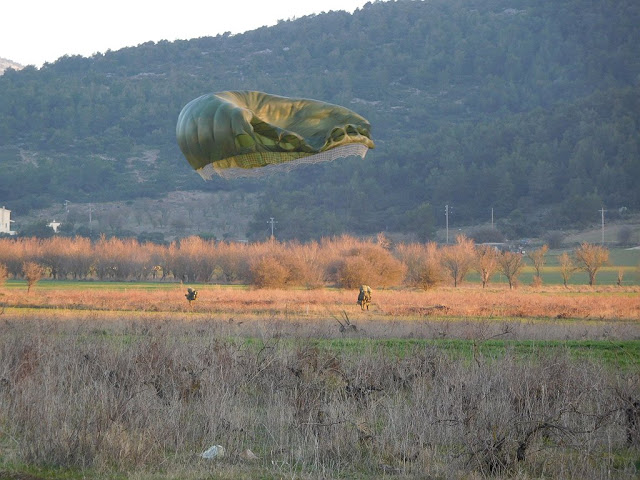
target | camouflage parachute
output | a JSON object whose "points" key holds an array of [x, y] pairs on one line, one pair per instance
{"points": [[248, 133]]}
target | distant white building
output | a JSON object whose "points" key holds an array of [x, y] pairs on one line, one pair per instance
{"points": [[5, 221], [54, 225]]}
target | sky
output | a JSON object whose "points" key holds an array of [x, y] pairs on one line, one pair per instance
{"points": [[33, 32]]}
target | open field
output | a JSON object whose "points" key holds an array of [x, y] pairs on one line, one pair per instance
{"points": [[127, 380], [545, 313]]}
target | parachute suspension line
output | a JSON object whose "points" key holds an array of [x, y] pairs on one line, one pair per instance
{"points": [[270, 166]]}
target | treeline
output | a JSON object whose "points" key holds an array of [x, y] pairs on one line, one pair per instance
{"points": [[339, 261]]}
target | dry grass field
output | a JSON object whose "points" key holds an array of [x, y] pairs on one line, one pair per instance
{"points": [[128, 380], [551, 312]]}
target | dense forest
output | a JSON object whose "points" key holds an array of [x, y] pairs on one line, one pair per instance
{"points": [[528, 108]]}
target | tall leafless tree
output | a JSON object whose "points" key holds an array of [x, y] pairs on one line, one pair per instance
{"points": [[591, 258], [511, 264]]}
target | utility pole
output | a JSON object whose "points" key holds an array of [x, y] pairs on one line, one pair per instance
{"points": [[272, 221], [602, 210], [446, 215], [90, 219]]}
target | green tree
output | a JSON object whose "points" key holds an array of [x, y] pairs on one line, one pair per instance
{"points": [[39, 229], [582, 209], [421, 221]]}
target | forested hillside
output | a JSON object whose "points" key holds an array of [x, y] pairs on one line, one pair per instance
{"points": [[528, 108]]}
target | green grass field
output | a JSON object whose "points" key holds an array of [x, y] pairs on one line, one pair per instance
{"points": [[620, 260], [617, 354]]}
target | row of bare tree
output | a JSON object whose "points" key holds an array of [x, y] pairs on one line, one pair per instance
{"points": [[343, 261]]}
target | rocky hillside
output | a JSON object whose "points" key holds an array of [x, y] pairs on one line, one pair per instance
{"points": [[4, 64]]}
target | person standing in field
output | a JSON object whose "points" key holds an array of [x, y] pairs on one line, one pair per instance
{"points": [[364, 297], [191, 295]]}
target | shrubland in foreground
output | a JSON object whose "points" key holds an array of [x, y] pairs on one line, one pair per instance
{"points": [[135, 383]]}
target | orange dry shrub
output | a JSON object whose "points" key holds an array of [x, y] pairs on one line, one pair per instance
{"points": [[9, 256], [566, 267], [537, 258], [190, 259], [591, 258], [104, 252], [161, 262], [486, 262], [306, 265], [353, 271], [193, 259], [79, 260], [149, 261], [277, 265], [355, 262], [32, 273], [458, 259], [144, 260], [67, 256], [511, 264], [422, 261], [4, 274], [15, 252], [389, 270], [231, 263], [128, 258], [61, 256], [333, 254], [118, 259], [172, 263], [268, 272], [53, 253], [177, 261]]}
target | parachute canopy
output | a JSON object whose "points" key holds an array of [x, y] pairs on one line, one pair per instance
{"points": [[247, 133]]}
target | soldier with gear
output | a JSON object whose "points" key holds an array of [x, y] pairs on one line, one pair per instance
{"points": [[191, 295], [364, 297]]}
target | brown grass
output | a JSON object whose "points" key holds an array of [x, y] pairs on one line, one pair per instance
{"points": [[135, 383], [463, 312], [141, 399], [605, 303]]}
